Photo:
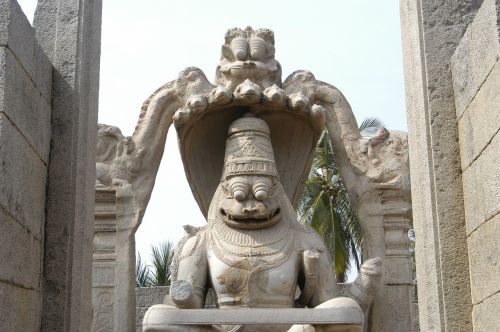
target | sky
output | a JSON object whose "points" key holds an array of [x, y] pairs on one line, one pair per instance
{"points": [[354, 45]]}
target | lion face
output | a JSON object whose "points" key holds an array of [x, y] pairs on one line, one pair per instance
{"points": [[250, 202]]}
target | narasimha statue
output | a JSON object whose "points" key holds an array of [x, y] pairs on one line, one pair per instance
{"points": [[247, 144]]}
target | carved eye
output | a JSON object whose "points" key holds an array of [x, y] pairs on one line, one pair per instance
{"points": [[261, 189], [239, 191]]}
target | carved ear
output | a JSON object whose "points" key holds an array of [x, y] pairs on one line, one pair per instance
{"points": [[227, 53], [225, 189], [273, 190], [270, 51]]}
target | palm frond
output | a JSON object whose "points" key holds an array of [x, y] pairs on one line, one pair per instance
{"points": [[142, 273], [326, 206], [162, 259], [370, 123]]}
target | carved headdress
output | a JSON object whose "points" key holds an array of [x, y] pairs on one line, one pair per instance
{"points": [[248, 149]]}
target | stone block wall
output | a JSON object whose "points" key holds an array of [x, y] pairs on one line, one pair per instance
{"points": [[25, 131], [475, 67], [48, 122], [452, 72], [145, 298]]}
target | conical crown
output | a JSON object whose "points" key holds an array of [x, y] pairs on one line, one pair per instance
{"points": [[248, 149]]}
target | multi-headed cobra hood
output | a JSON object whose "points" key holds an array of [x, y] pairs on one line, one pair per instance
{"points": [[248, 81]]}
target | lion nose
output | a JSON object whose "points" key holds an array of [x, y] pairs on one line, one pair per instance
{"points": [[250, 209], [253, 207]]}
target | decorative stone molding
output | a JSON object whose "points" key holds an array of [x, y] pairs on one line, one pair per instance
{"points": [[104, 261]]}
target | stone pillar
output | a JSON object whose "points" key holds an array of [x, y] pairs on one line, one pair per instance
{"points": [[431, 31], [476, 80], [385, 211], [113, 280], [104, 261], [69, 32]]}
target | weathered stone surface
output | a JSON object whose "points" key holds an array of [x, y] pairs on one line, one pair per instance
{"points": [[69, 33], [431, 32], [160, 316], [481, 120], [476, 55], [397, 270], [147, 296], [16, 33], [42, 73], [473, 197], [22, 175], [399, 316], [21, 101], [484, 251], [490, 179], [20, 309], [420, 165], [485, 315], [21, 254]]}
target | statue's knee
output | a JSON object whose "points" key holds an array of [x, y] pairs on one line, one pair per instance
{"points": [[340, 302], [302, 328]]}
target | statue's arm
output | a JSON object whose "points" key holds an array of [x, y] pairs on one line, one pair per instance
{"points": [[326, 285], [192, 270]]}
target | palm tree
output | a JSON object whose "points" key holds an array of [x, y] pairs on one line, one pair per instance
{"points": [[159, 273], [325, 206]]}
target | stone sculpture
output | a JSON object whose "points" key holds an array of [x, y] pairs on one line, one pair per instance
{"points": [[247, 144], [253, 252]]}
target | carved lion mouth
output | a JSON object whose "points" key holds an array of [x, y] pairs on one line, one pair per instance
{"points": [[251, 223]]}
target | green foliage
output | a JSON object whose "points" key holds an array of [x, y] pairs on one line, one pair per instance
{"points": [[157, 274], [162, 259], [325, 205], [411, 237], [142, 274], [370, 123]]}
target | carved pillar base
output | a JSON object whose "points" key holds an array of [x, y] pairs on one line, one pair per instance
{"points": [[113, 286], [104, 260]]}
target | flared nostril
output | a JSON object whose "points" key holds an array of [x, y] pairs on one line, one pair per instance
{"points": [[249, 209]]}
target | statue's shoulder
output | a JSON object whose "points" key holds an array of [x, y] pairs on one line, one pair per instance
{"points": [[192, 242], [308, 239]]}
